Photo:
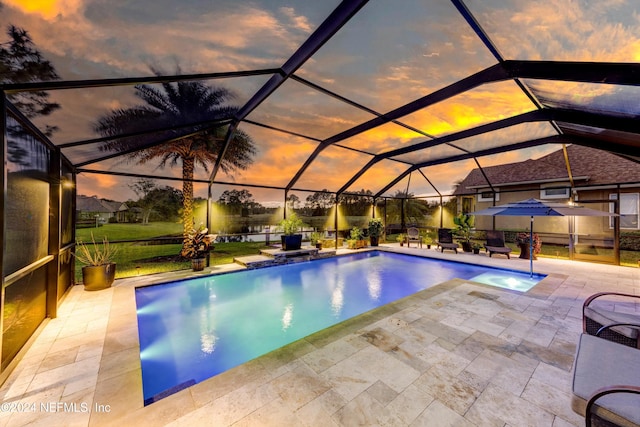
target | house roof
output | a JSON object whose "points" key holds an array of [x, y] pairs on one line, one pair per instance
{"points": [[588, 166], [93, 204]]}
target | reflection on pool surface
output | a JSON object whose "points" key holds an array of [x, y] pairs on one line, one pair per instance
{"points": [[194, 329]]}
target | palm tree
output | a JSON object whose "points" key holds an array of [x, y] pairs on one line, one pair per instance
{"points": [[171, 109]]}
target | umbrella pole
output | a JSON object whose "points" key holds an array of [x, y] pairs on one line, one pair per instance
{"points": [[531, 248]]}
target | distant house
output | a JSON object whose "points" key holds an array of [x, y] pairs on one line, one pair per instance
{"points": [[598, 177], [91, 208]]}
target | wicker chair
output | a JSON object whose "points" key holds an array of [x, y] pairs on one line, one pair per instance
{"points": [[606, 383], [413, 235], [596, 316]]}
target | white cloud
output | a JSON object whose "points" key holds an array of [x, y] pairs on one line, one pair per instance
{"points": [[298, 21]]}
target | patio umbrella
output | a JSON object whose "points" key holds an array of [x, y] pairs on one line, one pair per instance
{"points": [[535, 207]]}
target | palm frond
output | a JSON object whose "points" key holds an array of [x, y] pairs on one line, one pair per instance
{"points": [[172, 105], [155, 98]]}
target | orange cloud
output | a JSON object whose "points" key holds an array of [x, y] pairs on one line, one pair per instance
{"points": [[48, 9], [104, 186]]}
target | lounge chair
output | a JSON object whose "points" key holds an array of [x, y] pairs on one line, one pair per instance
{"points": [[495, 243], [445, 240], [413, 235], [595, 316], [606, 382]]}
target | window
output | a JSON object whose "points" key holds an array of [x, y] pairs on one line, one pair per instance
{"points": [[467, 205], [487, 196], [554, 193], [629, 209]]}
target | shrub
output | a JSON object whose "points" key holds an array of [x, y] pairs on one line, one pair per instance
{"points": [[356, 233], [291, 225], [630, 240], [375, 227]]}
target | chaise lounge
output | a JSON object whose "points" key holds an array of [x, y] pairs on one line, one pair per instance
{"points": [[606, 382], [445, 240], [597, 313], [495, 244], [606, 379]]}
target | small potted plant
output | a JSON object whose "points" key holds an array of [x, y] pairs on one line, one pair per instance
{"points": [[291, 238], [476, 248], [99, 271], [375, 230], [427, 238], [316, 239], [196, 246], [401, 238]]}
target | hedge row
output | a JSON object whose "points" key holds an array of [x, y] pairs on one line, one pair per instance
{"points": [[630, 240]]}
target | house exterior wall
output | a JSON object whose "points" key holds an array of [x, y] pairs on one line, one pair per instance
{"points": [[589, 230]]}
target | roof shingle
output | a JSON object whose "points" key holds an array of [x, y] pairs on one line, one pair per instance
{"points": [[588, 165]]}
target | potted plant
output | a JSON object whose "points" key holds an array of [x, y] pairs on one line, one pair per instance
{"points": [[375, 230], [291, 239], [196, 246], [401, 239], [464, 223], [427, 238], [356, 240], [316, 239], [476, 248], [99, 271], [523, 242]]}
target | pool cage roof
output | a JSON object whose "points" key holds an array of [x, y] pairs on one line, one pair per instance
{"points": [[368, 94]]}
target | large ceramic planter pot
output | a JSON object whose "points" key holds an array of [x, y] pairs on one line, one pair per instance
{"points": [[291, 242], [97, 277], [374, 240], [198, 264], [525, 251], [466, 246]]}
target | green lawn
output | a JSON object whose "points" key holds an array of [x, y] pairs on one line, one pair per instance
{"points": [[135, 258], [116, 232]]}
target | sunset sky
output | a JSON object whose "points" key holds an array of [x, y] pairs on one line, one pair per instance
{"points": [[391, 53]]}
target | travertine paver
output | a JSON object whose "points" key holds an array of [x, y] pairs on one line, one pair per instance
{"points": [[460, 354]]}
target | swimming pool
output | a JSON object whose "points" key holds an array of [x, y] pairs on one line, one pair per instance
{"points": [[197, 328]]}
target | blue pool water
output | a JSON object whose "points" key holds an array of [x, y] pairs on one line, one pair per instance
{"points": [[194, 329]]}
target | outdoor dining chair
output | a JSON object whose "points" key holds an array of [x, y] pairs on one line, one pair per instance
{"points": [[413, 235]]}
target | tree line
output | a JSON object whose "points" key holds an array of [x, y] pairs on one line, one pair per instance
{"points": [[164, 203]]}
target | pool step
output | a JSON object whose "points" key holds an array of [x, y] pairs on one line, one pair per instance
{"points": [[254, 261], [269, 257]]}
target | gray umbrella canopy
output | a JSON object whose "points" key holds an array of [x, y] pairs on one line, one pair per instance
{"points": [[535, 207]]}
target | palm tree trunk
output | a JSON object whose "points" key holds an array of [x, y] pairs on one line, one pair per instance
{"points": [[188, 165]]}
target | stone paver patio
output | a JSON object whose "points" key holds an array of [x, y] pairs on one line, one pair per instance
{"points": [[459, 353]]}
